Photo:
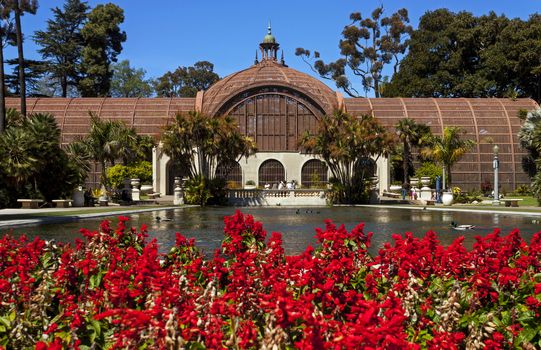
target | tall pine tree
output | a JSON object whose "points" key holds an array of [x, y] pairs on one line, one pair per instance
{"points": [[62, 44], [103, 42]]}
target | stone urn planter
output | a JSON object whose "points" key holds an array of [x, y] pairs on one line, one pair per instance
{"points": [[135, 183], [146, 188], [447, 198], [425, 181]]}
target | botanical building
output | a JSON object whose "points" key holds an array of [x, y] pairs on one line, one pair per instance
{"points": [[275, 105]]}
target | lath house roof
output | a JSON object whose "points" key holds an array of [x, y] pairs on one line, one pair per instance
{"points": [[268, 73]]}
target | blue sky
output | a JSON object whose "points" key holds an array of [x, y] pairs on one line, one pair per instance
{"points": [[179, 32]]}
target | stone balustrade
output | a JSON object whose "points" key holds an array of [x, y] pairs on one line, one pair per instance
{"points": [[298, 197]]}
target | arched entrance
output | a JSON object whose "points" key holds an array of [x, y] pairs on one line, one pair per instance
{"points": [[232, 173], [314, 174], [173, 170], [366, 167], [271, 172]]}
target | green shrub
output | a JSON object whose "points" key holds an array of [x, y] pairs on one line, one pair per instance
{"points": [[116, 174], [196, 191], [429, 169], [142, 171], [523, 190]]}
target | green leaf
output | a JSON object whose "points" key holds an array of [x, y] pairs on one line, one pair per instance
{"points": [[526, 335], [5, 321]]}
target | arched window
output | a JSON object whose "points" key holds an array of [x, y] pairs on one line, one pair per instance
{"points": [[275, 121], [232, 173], [173, 170], [271, 172], [314, 174], [366, 167]]}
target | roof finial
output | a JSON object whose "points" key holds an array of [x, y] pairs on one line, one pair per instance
{"points": [[256, 60], [269, 31], [282, 61]]}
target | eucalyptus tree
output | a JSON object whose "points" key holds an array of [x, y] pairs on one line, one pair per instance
{"points": [[367, 46], [341, 140], [186, 81], [448, 148]]}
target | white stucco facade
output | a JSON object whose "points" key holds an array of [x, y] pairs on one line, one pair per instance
{"points": [[292, 162]]}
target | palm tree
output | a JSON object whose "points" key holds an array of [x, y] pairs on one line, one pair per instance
{"points": [[19, 162], [447, 149], [341, 140], [100, 142], [411, 135], [19, 7], [199, 143]]}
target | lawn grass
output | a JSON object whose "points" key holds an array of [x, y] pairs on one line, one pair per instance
{"points": [[61, 212]]}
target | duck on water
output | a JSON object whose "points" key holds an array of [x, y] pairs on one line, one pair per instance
{"points": [[455, 226]]}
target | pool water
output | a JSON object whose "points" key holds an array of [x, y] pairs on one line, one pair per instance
{"points": [[297, 225]]}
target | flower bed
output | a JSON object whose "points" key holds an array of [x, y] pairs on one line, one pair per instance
{"points": [[115, 290]]}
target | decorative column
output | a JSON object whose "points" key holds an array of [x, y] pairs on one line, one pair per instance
{"points": [[426, 192], [178, 198], [374, 193], [496, 166]]}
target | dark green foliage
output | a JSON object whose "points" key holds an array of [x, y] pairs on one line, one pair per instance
{"points": [[32, 162], [62, 44], [103, 43], [109, 141], [368, 45], [461, 55], [129, 82], [34, 72], [186, 81]]}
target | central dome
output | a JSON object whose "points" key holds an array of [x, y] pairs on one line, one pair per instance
{"points": [[268, 73]]}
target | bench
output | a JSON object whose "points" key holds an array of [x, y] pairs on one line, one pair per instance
{"points": [[511, 202], [62, 203], [392, 194], [30, 203], [154, 195], [430, 201]]}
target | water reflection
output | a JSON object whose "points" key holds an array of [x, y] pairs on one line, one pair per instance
{"points": [[297, 225]]}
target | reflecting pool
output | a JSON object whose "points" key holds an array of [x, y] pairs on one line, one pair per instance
{"points": [[297, 225]]}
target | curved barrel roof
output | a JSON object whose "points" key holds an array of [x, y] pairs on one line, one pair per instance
{"points": [[488, 121]]}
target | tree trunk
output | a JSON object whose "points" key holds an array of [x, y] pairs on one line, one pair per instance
{"points": [[64, 86], [405, 161], [2, 91], [22, 83], [448, 169]]}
